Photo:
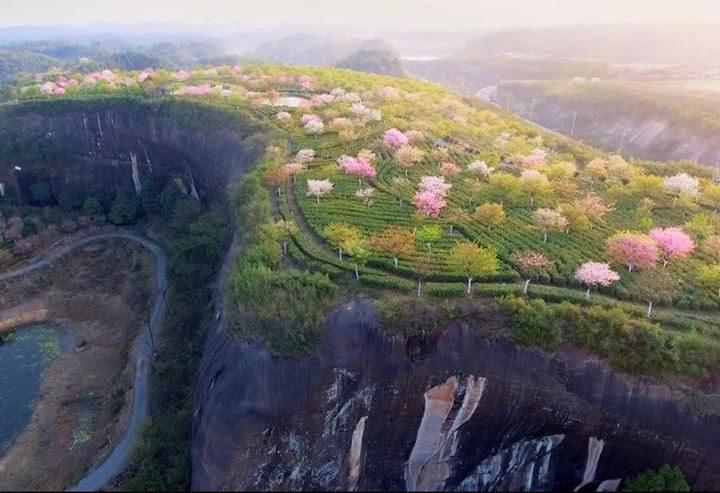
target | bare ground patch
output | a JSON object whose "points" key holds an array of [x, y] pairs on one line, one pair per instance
{"points": [[100, 293]]}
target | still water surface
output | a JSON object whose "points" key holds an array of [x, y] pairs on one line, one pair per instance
{"points": [[25, 354]]}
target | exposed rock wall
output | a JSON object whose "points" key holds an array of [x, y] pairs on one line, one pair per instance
{"points": [[447, 411], [106, 148], [637, 129]]}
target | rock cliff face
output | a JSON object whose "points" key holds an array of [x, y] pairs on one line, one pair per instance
{"points": [[638, 128], [110, 147], [447, 411]]}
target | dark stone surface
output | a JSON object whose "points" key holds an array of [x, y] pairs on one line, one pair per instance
{"points": [[264, 422], [91, 147]]}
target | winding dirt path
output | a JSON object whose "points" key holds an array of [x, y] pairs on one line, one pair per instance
{"points": [[114, 463]]}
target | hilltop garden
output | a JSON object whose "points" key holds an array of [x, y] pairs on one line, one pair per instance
{"points": [[403, 187]]}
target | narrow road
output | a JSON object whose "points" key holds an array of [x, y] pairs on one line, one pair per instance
{"points": [[114, 463]]}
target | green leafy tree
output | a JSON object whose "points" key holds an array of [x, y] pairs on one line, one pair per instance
{"points": [[471, 261], [93, 207], [699, 225], [168, 198], [341, 236], [150, 195], [490, 214], [29, 227], [358, 250], [123, 211], [69, 200], [709, 276], [667, 478], [428, 234], [654, 286], [286, 229]]}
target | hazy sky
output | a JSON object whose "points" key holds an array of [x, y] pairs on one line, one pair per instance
{"points": [[439, 14]]}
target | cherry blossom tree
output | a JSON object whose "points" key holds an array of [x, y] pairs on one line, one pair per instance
{"points": [[479, 169], [360, 168], [309, 117], [47, 88], [314, 127], [408, 156], [594, 207], [449, 169], [305, 81], [365, 195], [305, 156], [283, 116], [293, 169], [531, 265], [636, 251], [595, 274], [434, 184], [197, 90], [682, 184], [394, 138], [549, 220], [344, 161], [414, 136], [673, 243], [359, 109], [319, 188], [429, 203]]}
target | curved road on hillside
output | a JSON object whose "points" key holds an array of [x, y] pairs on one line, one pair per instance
{"points": [[114, 463]]}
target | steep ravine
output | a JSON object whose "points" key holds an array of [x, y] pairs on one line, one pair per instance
{"points": [[447, 411]]}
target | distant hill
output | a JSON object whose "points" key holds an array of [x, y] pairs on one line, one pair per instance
{"points": [[383, 62], [308, 49], [688, 44]]}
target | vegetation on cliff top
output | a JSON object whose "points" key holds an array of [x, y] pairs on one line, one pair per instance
{"points": [[403, 185]]}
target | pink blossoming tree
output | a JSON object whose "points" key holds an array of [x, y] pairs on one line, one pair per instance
{"points": [[435, 185], [449, 169], [394, 138], [305, 81], [319, 188], [429, 203], [673, 243], [595, 274], [636, 251]]}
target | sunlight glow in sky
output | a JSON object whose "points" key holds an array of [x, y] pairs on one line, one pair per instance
{"points": [[404, 14]]}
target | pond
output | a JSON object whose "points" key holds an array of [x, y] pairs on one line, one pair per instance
{"points": [[25, 354]]}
